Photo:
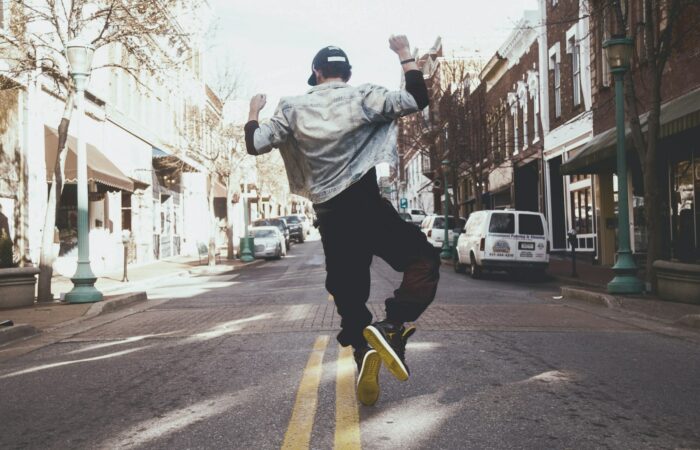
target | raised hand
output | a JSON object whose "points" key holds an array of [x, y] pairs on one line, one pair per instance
{"points": [[257, 102], [399, 44]]}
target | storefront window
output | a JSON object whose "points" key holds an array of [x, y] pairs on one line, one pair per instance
{"points": [[582, 211], [685, 218], [126, 210], [639, 220]]}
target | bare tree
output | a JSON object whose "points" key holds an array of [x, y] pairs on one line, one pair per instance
{"points": [[217, 147], [444, 131], [147, 34], [271, 177]]}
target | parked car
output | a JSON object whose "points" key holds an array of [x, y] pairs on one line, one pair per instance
{"points": [[296, 228], [279, 223], [433, 227], [305, 224], [269, 242], [406, 216], [417, 215], [506, 240]]}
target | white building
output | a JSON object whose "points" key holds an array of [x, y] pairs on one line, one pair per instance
{"points": [[141, 177], [417, 189]]}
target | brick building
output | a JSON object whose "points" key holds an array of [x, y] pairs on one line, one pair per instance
{"points": [[424, 139], [677, 163], [567, 121], [500, 163], [416, 146]]}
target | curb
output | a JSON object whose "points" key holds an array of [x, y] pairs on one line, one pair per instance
{"points": [[16, 332], [597, 298], [116, 303], [690, 320], [147, 281], [576, 281]]}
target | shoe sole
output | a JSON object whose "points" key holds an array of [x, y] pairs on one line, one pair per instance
{"points": [[368, 379], [386, 353]]}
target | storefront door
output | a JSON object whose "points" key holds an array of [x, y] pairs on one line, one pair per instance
{"points": [[685, 217]]}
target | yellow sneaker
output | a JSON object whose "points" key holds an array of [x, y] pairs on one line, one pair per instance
{"points": [[368, 365]]}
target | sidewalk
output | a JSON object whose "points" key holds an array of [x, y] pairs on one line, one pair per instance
{"points": [[590, 285], [50, 315], [589, 275], [111, 282]]}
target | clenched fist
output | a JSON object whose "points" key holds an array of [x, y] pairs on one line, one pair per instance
{"points": [[258, 102]]}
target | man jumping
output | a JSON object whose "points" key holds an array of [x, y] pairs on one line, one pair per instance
{"points": [[331, 139]]}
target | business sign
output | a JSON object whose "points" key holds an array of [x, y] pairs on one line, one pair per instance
{"points": [[404, 203]]}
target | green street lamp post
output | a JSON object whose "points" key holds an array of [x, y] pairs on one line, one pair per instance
{"points": [[79, 55], [246, 241], [619, 52], [446, 252]]}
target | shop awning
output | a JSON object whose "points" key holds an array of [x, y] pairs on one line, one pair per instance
{"points": [[100, 169], [598, 155], [163, 160]]}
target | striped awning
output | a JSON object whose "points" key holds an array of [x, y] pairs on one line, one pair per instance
{"points": [[100, 169]]}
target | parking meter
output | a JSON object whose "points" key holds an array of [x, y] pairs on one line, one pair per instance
{"points": [[126, 238], [573, 242]]}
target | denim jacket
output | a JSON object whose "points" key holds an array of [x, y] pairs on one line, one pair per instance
{"points": [[333, 135]]}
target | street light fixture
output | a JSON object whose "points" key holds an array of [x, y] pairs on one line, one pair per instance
{"points": [[79, 55], [247, 244], [619, 53], [446, 250]]}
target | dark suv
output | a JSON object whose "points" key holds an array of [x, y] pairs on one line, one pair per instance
{"points": [[279, 223], [296, 229]]}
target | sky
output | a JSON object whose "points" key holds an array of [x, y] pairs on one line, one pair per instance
{"points": [[270, 43]]}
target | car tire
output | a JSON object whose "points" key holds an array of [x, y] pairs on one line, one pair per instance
{"points": [[459, 267], [474, 270], [301, 238]]}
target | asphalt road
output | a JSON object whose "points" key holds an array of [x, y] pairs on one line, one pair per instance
{"points": [[248, 360]]}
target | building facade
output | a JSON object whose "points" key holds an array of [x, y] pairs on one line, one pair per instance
{"points": [[678, 101], [567, 120], [144, 183]]}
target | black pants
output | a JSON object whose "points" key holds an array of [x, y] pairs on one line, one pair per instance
{"points": [[355, 226]]}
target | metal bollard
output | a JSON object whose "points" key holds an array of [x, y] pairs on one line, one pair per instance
{"points": [[573, 241]]}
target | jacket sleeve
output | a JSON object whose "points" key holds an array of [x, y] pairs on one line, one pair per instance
{"points": [[262, 138], [415, 85], [382, 105]]}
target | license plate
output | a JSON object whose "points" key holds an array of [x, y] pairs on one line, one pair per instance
{"points": [[526, 245]]}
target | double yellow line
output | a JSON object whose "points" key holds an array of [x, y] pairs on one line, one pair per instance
{"points": [[347, 417]]}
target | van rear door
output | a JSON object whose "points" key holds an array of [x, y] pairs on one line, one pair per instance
{"points": [[500, 244], [531, 239]]}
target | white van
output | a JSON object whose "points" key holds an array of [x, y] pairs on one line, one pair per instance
{"points": [[503, 239], [417, 215]]}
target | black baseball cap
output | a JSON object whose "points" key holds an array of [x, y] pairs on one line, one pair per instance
{"points": [[330, 54]]}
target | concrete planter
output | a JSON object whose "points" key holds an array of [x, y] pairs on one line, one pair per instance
{"points": [[678, 282], [17, 286]]}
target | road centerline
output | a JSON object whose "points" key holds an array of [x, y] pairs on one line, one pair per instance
{"points": [[298, 435], [347, 417]]}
